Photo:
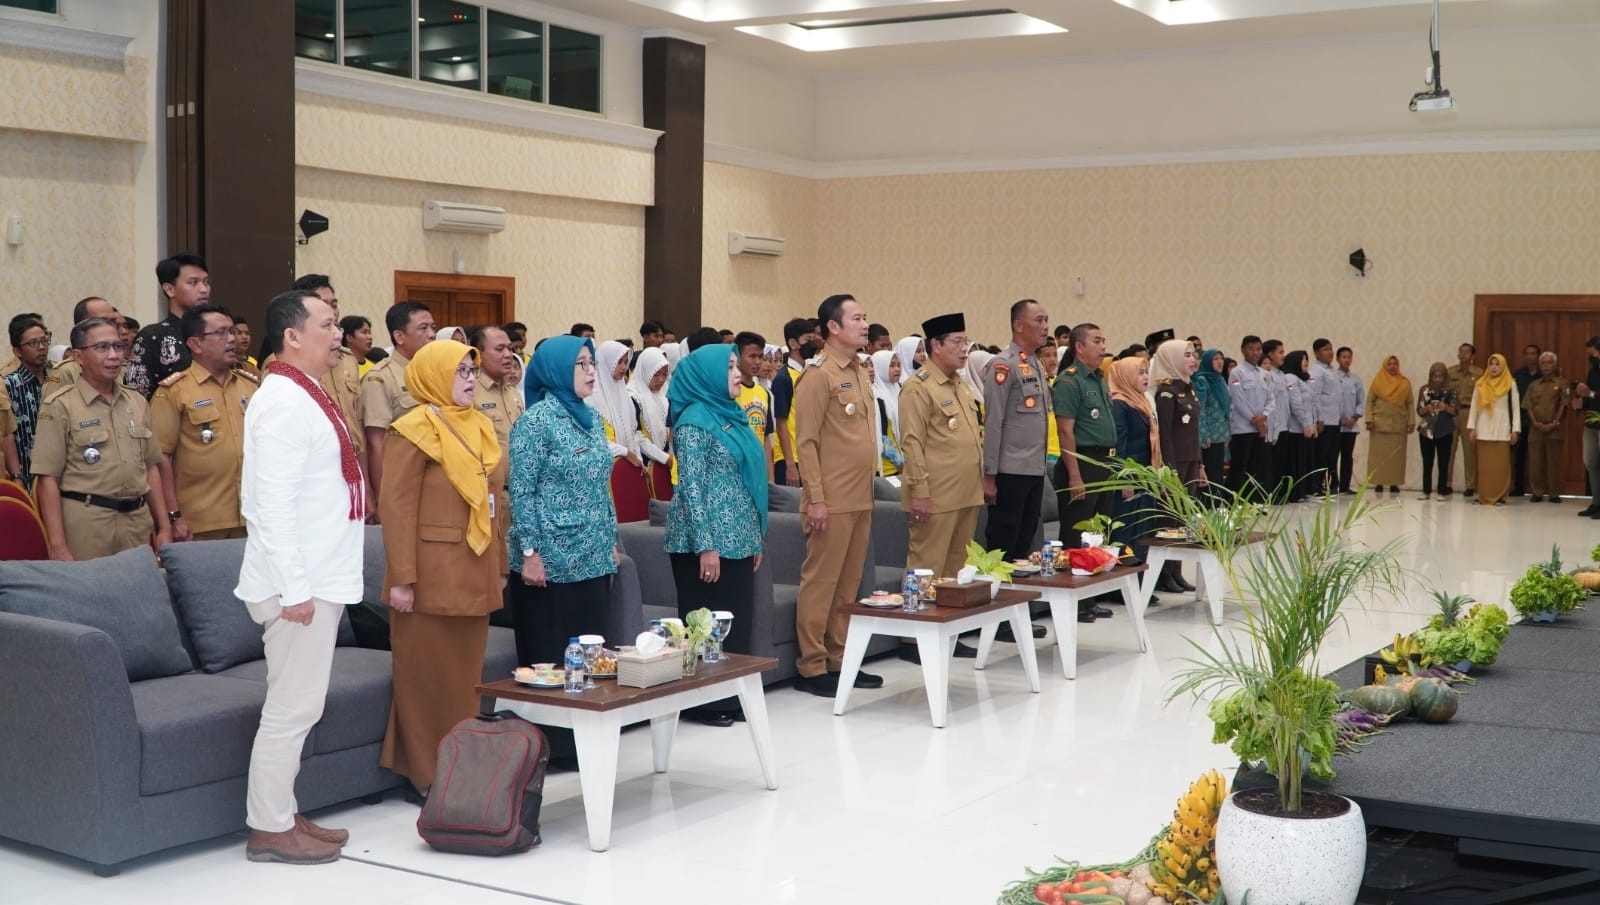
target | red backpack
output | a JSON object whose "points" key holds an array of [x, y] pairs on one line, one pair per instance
{"points": [[488, 787]]}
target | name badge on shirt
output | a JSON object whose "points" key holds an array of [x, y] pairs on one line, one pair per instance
{"points": [[847, 385], [491, 502], [92, 422], [945, 402], [487, 405], [580, 450], [203, 403]]}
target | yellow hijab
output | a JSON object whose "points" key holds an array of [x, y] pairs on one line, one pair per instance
{"points": [[458, 437], [1124, 381], [1394, 389], [1491, 388]]}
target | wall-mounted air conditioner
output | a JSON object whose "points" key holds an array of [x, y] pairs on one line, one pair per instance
{"points": [[763, 246], [450, 217]]}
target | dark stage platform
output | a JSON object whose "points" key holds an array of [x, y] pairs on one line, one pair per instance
{"points": [[1502, 804]]}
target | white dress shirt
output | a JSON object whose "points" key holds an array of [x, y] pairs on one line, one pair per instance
{"points": [[302, 542]]}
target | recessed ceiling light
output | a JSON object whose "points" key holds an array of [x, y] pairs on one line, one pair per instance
{"points": [[455, 59], [421, 19], [328, 34]]}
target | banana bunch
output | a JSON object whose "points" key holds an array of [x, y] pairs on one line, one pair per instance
{"points": [[1185, 861], [1405, 653]]}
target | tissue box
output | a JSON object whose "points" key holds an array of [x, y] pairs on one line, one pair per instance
{"points": [[962, 594], [637, 670]]}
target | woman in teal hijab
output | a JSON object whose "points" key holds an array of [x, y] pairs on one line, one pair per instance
{"points": [[718, 520], [1211, 389]]}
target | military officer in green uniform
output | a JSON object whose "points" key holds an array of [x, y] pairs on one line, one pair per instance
{"points": [[1085, 428]]}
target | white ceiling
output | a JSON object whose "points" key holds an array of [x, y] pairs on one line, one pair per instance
{"points": [[1093, 27]]}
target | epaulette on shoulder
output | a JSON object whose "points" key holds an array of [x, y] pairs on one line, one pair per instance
{"points": [[241, 372], [816, 361], [921, 375], [55, 393], [1072, 370], [172, 379]]}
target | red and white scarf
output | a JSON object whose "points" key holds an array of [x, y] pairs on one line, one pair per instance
{"points": [[348, 463]]}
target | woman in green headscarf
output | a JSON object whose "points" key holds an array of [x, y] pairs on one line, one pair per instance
{"points": [[718, 519]]}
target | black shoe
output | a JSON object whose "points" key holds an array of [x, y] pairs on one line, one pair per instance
{"points": [[1086, 615], [1536, 498], [1468, 492], [1004, 633], [910, 653], [1554, 498], [1347, 491], [412, 796], [967, 652], [863, 680], [1596, 515], [716, 718], [1183, 584], [1166, 583], [1588, 511], [1394, 490], [1101, 612], [823, 686]]}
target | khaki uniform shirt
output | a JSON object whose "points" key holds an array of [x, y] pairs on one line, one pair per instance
{"points": [[75, 419], [1463, 381], [942, 442], [1546, 402], [1016, 407], [8, 421], [186, 406], [384, 396], [64, 374], [835, 417], [503, 405], [342, 383]]}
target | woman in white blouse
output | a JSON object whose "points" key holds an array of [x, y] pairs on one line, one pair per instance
{"points": [[1494, 423]]}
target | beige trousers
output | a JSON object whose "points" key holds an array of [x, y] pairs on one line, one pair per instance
{"points": [[299, 660]]}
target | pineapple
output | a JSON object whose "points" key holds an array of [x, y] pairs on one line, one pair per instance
{"points": [[1449, 609], [1552, 569]]}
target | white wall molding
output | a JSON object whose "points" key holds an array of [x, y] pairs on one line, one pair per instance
{"points": [[762, 160], [678, 34], [419, 97], [40, 35]]}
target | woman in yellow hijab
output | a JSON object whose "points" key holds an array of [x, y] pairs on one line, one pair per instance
{"points": [[446, 554], [1493, 426], [1390, 418]]}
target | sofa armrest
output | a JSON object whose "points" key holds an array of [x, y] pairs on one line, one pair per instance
{"points": [[785, 546], [761, 612], [646, 544], [69, 742], [625, 616]]}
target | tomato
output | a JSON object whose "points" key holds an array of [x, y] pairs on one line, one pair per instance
{"points": [[1056, 898], [1042, 892]]}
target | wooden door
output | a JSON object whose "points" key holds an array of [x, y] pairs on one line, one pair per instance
{"points": [[1556, 323], [459, 300]]}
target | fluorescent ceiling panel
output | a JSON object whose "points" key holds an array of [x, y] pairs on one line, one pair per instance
{"points": [[816, 40], [1193, 12], [750, 10]]}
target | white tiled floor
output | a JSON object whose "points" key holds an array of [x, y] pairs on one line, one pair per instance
{"points": [[872, 806]]}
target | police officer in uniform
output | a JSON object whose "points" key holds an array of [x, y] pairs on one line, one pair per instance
{"points": [[1016, 404], [96, 457], [1086, 428], [1463, 376], [383, 391], [834, 410], [198, 416]]}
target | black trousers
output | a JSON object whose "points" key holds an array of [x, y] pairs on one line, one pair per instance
{"points": [[1436, 447], [1014, 515], [1519, 453], [780, 472], [1347, 458], [1251, 465], [1327, 460], [1214, 458], [545, 619], [734, 591], [1092, 504]]}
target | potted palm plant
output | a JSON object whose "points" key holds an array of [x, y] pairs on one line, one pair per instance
{"points": [[1283, 845]]}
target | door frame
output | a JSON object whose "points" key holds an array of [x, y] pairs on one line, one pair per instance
{"points": [[1485, 306], [406, 280]]}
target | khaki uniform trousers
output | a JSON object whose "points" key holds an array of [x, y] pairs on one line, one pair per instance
{"points": [[1468, 454], [1544, 462], [93, 532], [221, 534], [940, 543], [829, 580]]}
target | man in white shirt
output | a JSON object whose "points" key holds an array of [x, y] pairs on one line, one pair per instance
{"points": [[1352, 408], [1325, 383], [302, 497]]}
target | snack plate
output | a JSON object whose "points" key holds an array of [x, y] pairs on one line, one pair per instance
{"points": [[1173, 534], [556, 682], [1029, 569], [880, 604]]}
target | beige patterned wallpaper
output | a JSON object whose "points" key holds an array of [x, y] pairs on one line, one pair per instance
{"points": [[336, 134], [572, 259], [49, 91], [750, 293]]}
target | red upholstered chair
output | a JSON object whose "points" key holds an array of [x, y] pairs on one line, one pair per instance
{"points": [[629, 493], [13, 490], [660, 482], [21, 532]]}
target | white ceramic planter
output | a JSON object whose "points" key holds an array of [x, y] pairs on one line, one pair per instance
{"points": [[1090, 539], [1290, 861], [994, 583]]}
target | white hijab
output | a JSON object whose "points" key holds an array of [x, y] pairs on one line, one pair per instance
{"points": [[652, 403], [886, 391], [906, 351], [455, 333], [877, 417], [977, 360], [610, 396], [672, 351]]}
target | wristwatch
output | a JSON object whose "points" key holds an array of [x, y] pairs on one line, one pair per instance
{"points": [[528, 551], [174, 515]]}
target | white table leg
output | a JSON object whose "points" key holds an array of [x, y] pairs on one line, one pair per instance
{"points": [[1200, 583], [1027, 648], [855, 650], [1135, 605], [754, 701], [1211, 569], [597, 736], [986, 644], [1154, 559], [932, 648], [1064, 613], [662, 730]]}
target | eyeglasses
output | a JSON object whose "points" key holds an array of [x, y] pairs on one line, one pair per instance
{"points": [[221, 331], [39, 343], [105, 348], [585, 363], [465, 373]]}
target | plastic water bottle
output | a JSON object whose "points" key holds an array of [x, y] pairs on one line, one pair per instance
{"points": [[908, 592], [574, 660], [1047, 561], [656, 628]]}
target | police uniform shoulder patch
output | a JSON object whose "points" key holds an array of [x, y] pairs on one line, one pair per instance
{"points": [[1166, 394], [172, 379], [55, 394], [1001, 373], [241, 372], [1072, 370]]}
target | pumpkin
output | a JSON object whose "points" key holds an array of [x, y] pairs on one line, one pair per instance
{"points": [[1432, 701], [1388, 699], [1589, 580]]}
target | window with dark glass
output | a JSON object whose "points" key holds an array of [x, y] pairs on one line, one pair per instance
{"points": [[449, 50], [315, 25], [37, 6], [516, 57], [377, 35], [574, 69]]}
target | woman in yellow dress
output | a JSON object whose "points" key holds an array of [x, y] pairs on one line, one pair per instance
{"points": [[1390, 419]]}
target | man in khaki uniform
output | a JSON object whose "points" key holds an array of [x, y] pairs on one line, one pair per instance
{"points": [[1463, 378], [1546, 405], [383, 391], [96, 457], [498, 397], [942, 483], [66, 372], [834, 439], [198, 416]]}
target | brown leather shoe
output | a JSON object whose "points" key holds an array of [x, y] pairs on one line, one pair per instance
{"points": [[321, 834], [289, 847]]}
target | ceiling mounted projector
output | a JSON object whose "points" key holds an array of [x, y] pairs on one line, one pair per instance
{"points": [[1437, 97]]}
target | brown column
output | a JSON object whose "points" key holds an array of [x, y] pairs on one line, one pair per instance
{"points": [[675, 103], [230, 195]]}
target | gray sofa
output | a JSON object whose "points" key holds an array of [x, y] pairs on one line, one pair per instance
{"points": [[133, 698]]}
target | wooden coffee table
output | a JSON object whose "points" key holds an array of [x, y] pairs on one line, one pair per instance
{"points": [[935, 629], [1209, 585], [1063, 591], [597, 716]]}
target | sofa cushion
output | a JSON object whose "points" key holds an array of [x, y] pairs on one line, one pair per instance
{"points": [[886, 489], [360, 689], [499, 654], [658, 513], [888, 579], [785, 597], [195, 729], [373, 564], [783, 498], [122, 595], [202, 576]]}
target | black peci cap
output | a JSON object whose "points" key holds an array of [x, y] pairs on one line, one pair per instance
{"points": [[944, 324]]}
